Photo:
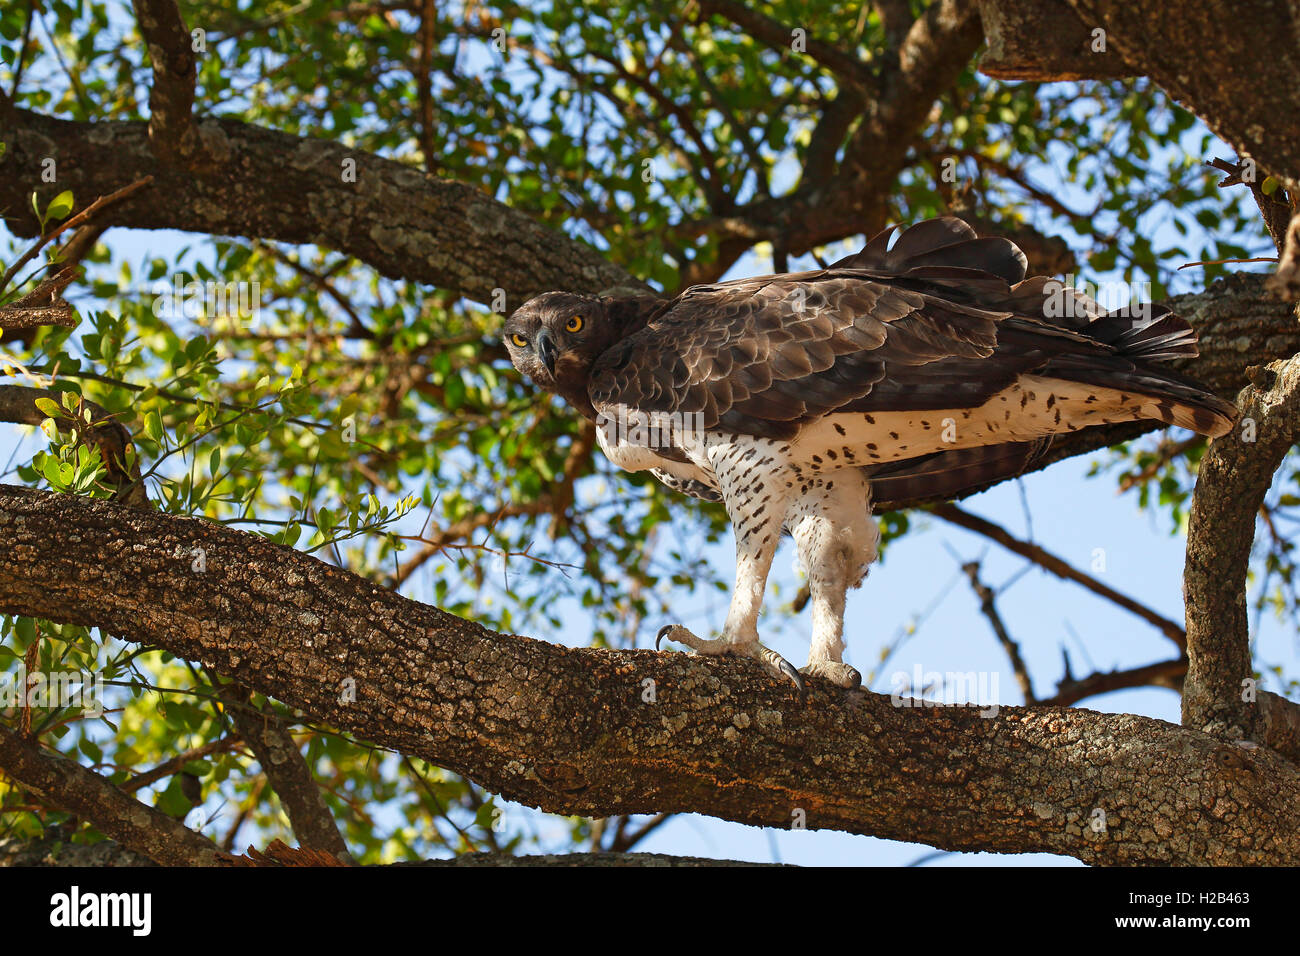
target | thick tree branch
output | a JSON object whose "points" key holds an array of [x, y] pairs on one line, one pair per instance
{"points": [[287, 770], [1235, 65], [571, 731], [1235, 474], [1044, 40], [171, 98], [87, 795], [271, 185]]}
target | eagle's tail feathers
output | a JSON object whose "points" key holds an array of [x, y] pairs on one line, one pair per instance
{"points": [[1156, 336]]}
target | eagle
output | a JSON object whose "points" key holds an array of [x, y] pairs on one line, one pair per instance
{"points": [[923, 369]]}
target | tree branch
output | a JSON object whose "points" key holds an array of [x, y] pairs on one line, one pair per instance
{"points": [[1244, 86], [171, 98], [272, 185], [1057, 566], [43, 306], [80, 219], [569, 730], [175, 765], [990, 610], [287, 770], [778, 36], [1043, 40], [87, 795], [1235, 474], [1169, 674]]}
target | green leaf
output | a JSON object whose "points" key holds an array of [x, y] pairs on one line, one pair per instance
{"points": [[60, 205]]}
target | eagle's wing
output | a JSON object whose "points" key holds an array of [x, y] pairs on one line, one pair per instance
{"points": [[940, 320], [765, 355], [950, 474]]}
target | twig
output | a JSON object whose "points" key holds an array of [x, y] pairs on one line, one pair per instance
{"points": [[625, 841], [1071, 690], [1219, 262], [990, 610], [76, 220], [1166, 452], [174, 765], [1050, 562]]}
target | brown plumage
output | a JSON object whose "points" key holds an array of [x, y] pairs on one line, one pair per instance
{"points": [[919, 370]]}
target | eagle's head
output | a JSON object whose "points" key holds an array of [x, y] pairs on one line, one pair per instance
{"points": [[556, 337]]}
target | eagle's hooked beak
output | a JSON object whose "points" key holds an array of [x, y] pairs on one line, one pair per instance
{"points": [[547, 350]]}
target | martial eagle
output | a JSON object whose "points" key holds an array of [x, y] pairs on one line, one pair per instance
{"points": [[921, 370]]}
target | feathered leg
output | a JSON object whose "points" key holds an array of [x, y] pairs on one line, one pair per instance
{"points": [[837, 541], [756, 501]]}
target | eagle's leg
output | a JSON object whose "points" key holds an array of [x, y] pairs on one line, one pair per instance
{"points": [[740, 633], [831, 524], [757, 509]]}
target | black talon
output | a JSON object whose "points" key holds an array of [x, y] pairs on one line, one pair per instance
{"points": [[788, 670], [662, 631]]}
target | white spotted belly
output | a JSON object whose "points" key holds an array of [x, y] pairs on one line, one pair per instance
{"points": [[1031, 408]]}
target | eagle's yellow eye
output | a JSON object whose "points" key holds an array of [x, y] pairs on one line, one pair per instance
{"points": [[519, 341], [574, 324]]}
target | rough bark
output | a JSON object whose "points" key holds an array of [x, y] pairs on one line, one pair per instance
{"points": [[572, 730], [171, 97], [85, 794], [1235, 475], [43, 306], [1235, 65], [52, 851], [290, 776], [271, 185], [1043, 40]]}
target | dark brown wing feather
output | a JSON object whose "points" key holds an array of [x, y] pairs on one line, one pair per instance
{"points": [[950, 474], [764, 355], [940, 320]]}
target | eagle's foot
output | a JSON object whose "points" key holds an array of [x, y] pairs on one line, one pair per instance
{"points": [[772, 662], [837, 672]]}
